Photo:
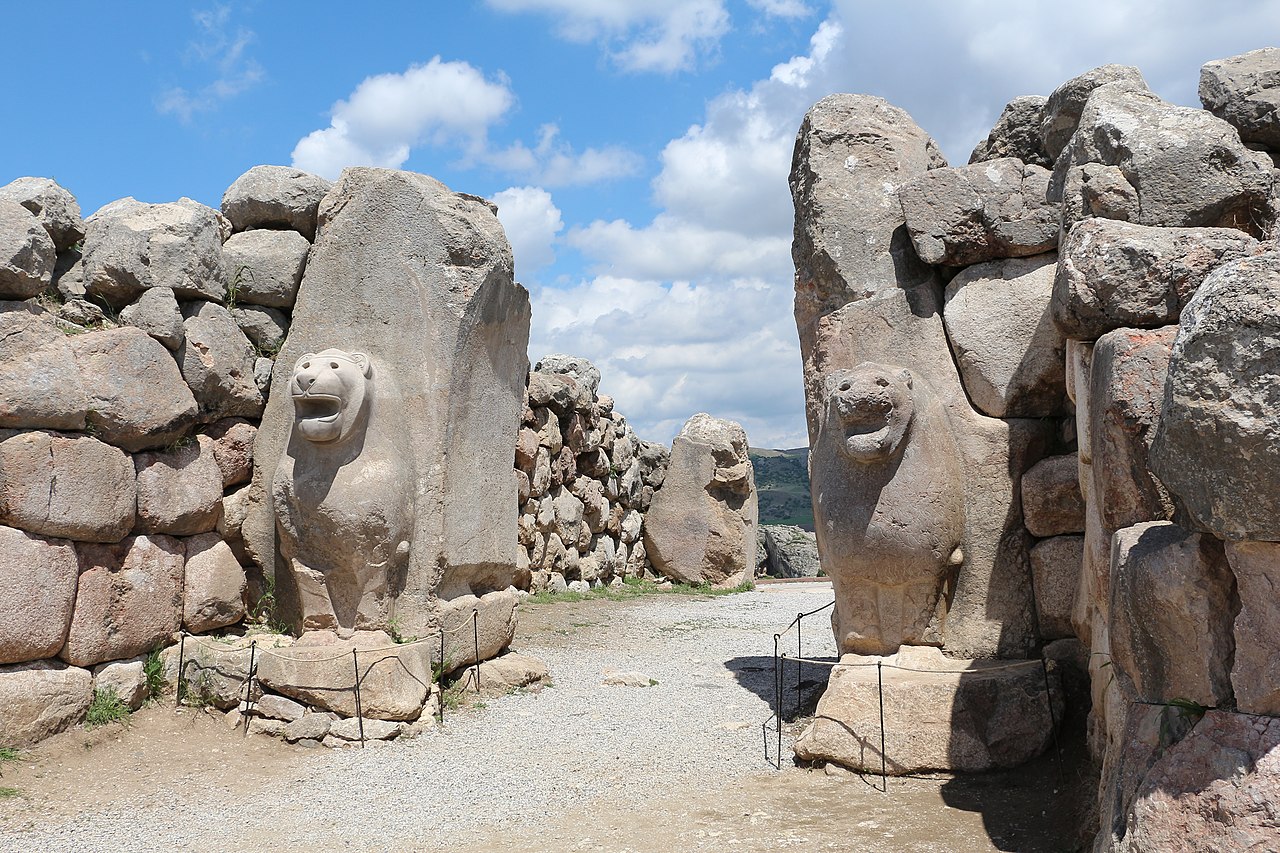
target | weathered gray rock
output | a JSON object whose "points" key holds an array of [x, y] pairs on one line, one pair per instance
{"points": [[214, 587], [1011, 355], [506, 672], [81, 312], [130, 246], [55, 207], [217, 363], [1245, 91], [580, 370], [41, 699], [308, 726], [1114, 274], [126, 678], [156, 312], [701, 527], [968, 214], [1170, 615], [1052, 503], [265, 267], [68, 274], [235, 506], [278, 708], [413, 284], [265, 328], [128, 601], [1061, 113], [38, 577], [1138, 158], [559, 392], [71, 486], [790, 551], [1217, 445], [1016, 134], [135, 395], [1214, 790], [957, 715], [275, 197], [40, 383], [1125, 394], [27, 253], [1055, 564], [215, 670], [1255, 671], [349, 729], [233, 449], [179, 490]]}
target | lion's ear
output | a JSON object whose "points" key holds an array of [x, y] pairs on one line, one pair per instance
{"points": [[906, 379], [302, 359], [362, 361]]}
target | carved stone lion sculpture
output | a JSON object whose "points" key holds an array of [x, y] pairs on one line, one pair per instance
{"points": [[340, 489], [888, 499]]}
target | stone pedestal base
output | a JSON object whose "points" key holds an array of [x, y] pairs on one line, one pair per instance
{"points": [[939, 713]]}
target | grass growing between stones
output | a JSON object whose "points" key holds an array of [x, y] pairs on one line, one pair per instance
{"points": [[6, 792], [153, 674], [634, 588], [105, 708]]}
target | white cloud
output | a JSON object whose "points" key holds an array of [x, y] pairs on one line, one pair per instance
{"points": [[222, 50], [532, 222], [781, 8], [639, 35], [672, 248], [554, 163], [388, 115]]}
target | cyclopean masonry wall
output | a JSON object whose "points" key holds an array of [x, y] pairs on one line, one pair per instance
{"points": [[1138, 510]]}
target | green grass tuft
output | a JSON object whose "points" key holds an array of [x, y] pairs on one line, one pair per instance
{"points": [[6, 792], [153, 673], [105, 708]]}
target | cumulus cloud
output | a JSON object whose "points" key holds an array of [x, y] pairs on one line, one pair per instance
{"points": [[532, 222], [554, 163], [781, 8], [221, 48], [639, 35], [388, 115]]}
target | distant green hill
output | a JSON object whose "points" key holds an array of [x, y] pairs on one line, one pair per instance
{"points": [[782, 481]]}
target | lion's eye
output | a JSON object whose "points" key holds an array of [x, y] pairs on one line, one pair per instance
{"points": [[845, 386], [306, 365], [333, 364], [882, 382]]}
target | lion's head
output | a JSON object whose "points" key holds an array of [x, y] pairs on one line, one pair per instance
{"points": [[328, 390], [871, 407]]}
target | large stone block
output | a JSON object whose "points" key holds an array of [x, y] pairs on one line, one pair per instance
{"points": [[156, 312], [54, 206], [790, 551], [129, 599], [38, 577], [40, 384], [27, 253], [1114, 274], [71, 486], [1170, 615], [1217, 446], [275, 197], [265, 267], [1010, 353], [701, 527], [130, 246], [1255, 671], [214, 586], [968, 214], [1052, 503], [382, 467], [217, 363], [1245, 91], [1055, 564], [940, 713], [1016, 134], [179, 490], [1060, 115], [41, 699]]}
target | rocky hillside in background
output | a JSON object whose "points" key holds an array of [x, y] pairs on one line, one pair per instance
{"points": [[782, 482]]}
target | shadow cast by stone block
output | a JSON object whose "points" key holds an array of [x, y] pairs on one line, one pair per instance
{"points": [[802, 684]]}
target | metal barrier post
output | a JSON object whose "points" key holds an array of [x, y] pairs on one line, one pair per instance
{"points": [[440, 679], [355, 660], [475, 631], [182, 651], [780, 671], [799, 662], [884, 776], [777, 699], [1053, 719], [248, 684]]}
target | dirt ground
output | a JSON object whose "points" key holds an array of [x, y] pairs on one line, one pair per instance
{"points": [[1032, 809]]}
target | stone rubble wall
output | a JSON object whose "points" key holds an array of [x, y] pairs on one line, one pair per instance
{"points": [[1107, 263]]}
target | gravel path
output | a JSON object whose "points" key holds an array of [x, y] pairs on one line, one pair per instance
{"points": [[514, 767]]}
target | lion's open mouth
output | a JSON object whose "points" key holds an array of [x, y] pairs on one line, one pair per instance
{"points": [[324, 408]]}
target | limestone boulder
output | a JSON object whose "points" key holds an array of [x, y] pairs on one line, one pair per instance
{"points": [[215, 671], [701, 527], [968, 214], [156, 312], [40, 699], [1245, 91], [264, 327], [265, 267], [1052, 503], [1011, 356], [1016, 134], [940, 713], [1217, 446], [1055, 565], [275, 197], [559, 392], [130, 246], [582, 371], [54, 206], [217, 363], [235, 506], [27, 253], [214, 587], [136, 398], [1255, 670], [38, 577], [1061, 113], [1114, 274], [1214, 790], [179, 490], [790, 551], [126, 678], [1170, 615], [487, 621], [1126, 390], [1138, 158], [40, 383], [507, 672], [66, 485], [129, 599], [233, 449]]}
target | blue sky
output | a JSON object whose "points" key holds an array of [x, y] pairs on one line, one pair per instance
{"points": [[638, 149]]}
